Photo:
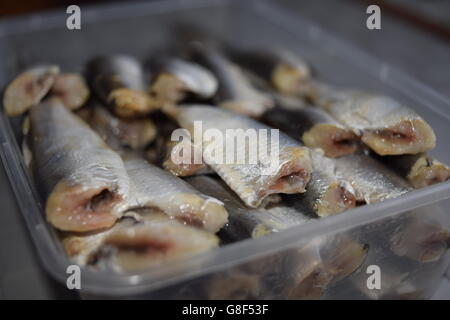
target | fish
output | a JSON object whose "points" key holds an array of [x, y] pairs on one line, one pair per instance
{"points": [[176, 78], [315, 128], [155, 240], [83, 181], [82, 247], [181, 162], [370, 179], [327, 193], [119, 81], [384, 125], [420, 170], [156, 188], [28, 89], [321, 263], [288, 172], [71, 89], [421, 240], [121, 132], [285, 70], [235, 92], [243, 222]]}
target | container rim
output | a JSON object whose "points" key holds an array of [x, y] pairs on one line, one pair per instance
{"points": [[114, 284]]}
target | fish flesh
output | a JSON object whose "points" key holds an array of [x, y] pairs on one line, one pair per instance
{"points": [[156, 188], [119, 82], [156, 239], [84, 182], [371, 180], [384, 125], [235, 92], [287, 171], [244, 222], [326, 194], [176, 78], [285, 70], [71, 89], [28, 89], [315, 128], [421, 170], [180, 157], [120, 132], [233, 284], [421, 240]]}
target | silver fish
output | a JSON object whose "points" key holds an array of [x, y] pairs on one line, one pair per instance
{"points": [[175, 78], [371, 180], [155, 240], [156, 188], [84, 181], [120, 83], [385, 125], [235, 91], [28, 89], [422, 240], [420, 169], [326, 194], [71, 89], [315, 128], [289, 172], [120, 132], [244, 222], [285, 70]]}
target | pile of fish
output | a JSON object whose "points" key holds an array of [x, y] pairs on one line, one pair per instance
{"points": [[100, 149]]}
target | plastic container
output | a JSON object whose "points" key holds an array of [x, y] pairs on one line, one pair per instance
{"points": [[267, 267]]}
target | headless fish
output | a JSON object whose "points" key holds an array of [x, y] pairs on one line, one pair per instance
{"points": [[235, 91], [156, 188], [83, 180], [384, 125], [421, 170], [120, 132], [155, 240], [71, 89], [119, 82], [315, 128], [421, 239], [28, 89], [282, 68], [289, 172], [176, 78], [371, 180], [244, 222], [326, 193]]}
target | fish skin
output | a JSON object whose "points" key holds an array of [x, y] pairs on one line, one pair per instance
{"points": [[71, 89], [83, 181], [252, 182], [285, 70], [176, 77], [119, 81], [384, 125], [235, 92], [156, 188], [326, 194], [244, 222], [119, 132], [156, 240], [421, 170], [371, 180], [315, 128], [28, 89]]}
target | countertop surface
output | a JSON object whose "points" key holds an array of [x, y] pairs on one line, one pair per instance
{"points": [[399, 43]]}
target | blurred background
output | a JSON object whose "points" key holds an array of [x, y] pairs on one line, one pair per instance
{"points": [[415, 37]]}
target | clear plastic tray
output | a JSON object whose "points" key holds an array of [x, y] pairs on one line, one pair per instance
{"points": [[137, 29]]}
